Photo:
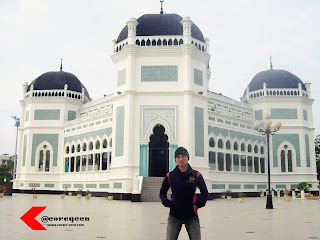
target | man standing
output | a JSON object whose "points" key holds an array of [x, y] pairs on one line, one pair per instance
{"points": [[183, 181]]}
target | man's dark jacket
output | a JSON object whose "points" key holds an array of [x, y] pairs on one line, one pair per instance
{"points": [[183, 186]]}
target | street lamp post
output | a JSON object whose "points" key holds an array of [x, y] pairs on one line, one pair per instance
{"points": [[17, 124], [267, 131]]}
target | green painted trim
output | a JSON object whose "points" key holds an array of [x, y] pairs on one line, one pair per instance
{"points": [[77, 185], [199, 131], [121, 77], [87, 135], [218, 186], [47, 114], [305, 115], [262, 186], [159, 73], [248, 186], [281, 186], [117, 185], [258, 115], [35, 184], [71, 115], [52, 139], [234, 186], [104, 185], [284, 113], [120, 112], [49, 185], [198, 77], [66, 185], [91, 185], [27, 116], [277, 139], [306, 137], [24, 154]]}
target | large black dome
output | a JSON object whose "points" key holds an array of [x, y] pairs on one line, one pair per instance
{"points": [[275, 79], [56, 81], [160, 25]]}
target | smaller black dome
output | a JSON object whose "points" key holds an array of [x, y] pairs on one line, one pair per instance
{"points": [[160, 25], [56, 81], [275, 79]]}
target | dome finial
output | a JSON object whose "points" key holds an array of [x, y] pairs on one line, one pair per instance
{"points": [[61, 65], [271, 66], [161, 1]]}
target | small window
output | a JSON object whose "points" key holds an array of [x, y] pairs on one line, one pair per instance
{"points": [[249, 148], [256, 149], [235, 146], [78, 148], [228, 145], [91, 146], [72, 149], [105, 143], [84, 147], [220, 144], [97, 144], [243, 147], [67, 149], [211, 142], [261, 150]]}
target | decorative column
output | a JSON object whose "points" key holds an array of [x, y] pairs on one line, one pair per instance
{"points": [[186, 25], [132, 30]]}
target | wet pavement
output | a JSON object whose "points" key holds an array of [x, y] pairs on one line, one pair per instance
{"points": [[109, 219]]}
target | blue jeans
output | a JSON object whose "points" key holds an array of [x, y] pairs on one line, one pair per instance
{"points": [[192, 225]]}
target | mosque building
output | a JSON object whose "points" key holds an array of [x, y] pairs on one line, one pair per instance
{"points": [[161, 100]]}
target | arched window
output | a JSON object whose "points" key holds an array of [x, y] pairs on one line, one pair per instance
{"points": [[228, 145], [262, 150], [67, 149], [78, 148], [165, 42], [159, 42], [72, 149], [256, 149], [170, 42], [154, 42], [91, 146], [110, 143], [44, 157], [98, 144], [243, 147], [175, 42], [41, 160], [105, 143], [84, 147], [235, 146], [249, 148], [220, 143], [211, 142], [286, 158]]}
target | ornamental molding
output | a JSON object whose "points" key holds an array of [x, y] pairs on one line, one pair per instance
{"points": [[151, 115]]}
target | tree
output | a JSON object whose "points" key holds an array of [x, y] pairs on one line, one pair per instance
{"points": [[317, 149], [304, 186], [6, 171]]}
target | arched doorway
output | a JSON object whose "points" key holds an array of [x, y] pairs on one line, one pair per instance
{"points": [[158, 152]]}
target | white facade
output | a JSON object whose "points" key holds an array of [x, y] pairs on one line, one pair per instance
{"points": [[102, 144]]}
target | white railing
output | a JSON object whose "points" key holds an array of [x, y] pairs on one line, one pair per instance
{"points": [[56, 93], [151, 41], [288, 92]]}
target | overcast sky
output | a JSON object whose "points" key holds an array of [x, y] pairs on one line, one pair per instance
{"points": [[35, 34]]}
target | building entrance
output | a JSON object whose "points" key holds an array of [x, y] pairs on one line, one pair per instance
{"points": [[158, 152]]}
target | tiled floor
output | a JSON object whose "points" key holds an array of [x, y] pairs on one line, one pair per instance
{"points": [[109, 219]]}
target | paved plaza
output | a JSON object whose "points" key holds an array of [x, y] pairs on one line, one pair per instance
{"points": [[110, 219]]}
